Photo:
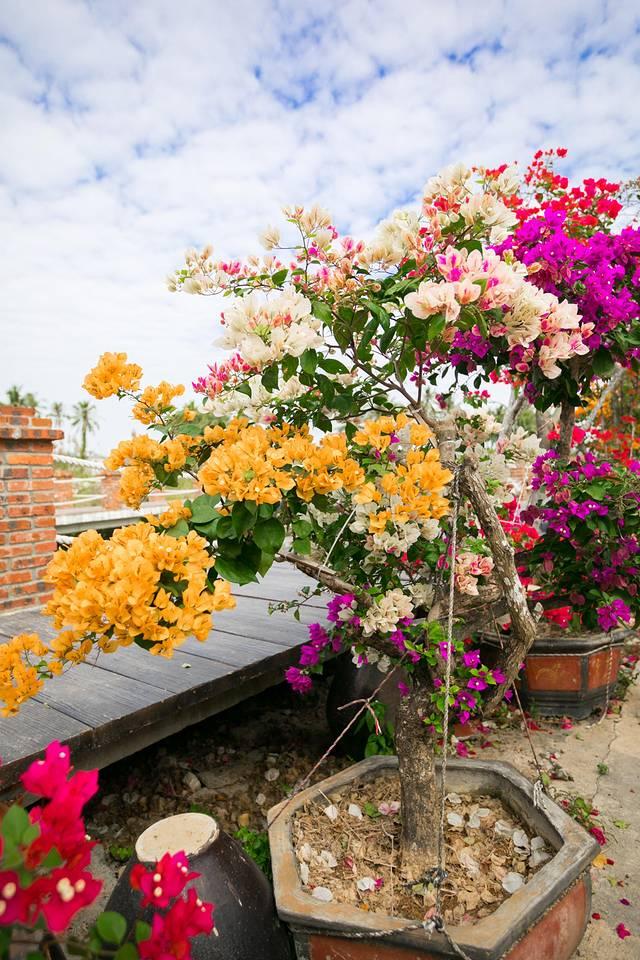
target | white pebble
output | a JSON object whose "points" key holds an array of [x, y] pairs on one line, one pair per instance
{"points": [[520, 839], [453, 798], [538, 857], [261, 799], [355, 811], [323, 894], [331, 811], [538, 843], [366, 883], [304, 873], [512, 882], [328, 858], [503, 828], [455, 820], [272, 774]]}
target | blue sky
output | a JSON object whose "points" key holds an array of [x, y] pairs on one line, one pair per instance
{"points": [[133, 130]]}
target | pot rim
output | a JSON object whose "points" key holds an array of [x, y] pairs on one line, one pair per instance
{"points": [[489, 937]]}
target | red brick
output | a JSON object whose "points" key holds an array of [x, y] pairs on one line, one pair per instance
{"points": [[16, 550], [31, 459], [8, 578], [49, 521], [42, 472], [30, 563], [49, 547], [42, 484], [18, 485]]}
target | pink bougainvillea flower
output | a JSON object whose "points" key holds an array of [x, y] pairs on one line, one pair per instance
{"points": [[566, 724], [61, 894], [625, 902], [622, 931], [403, 688], [45, 777], [162, 883], [598, 834], [14, 901]]}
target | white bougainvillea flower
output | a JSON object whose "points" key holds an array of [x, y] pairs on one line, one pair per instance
{"points": [[331, 811], [366, 884], [355, 811]]}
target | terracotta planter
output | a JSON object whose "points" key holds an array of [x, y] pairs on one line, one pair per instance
{"points": [[247, 926], [544, 920], [567, 674]]}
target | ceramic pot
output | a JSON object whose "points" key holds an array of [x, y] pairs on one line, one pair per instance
{"points": [[544, 920], [566, 675], [247, 926], [351, 683]]}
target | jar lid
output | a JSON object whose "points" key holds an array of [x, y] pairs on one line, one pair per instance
{"points": [[191, 832]]}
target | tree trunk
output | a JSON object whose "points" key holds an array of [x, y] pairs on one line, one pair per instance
{"points": [[567, 421], [419, 789]]}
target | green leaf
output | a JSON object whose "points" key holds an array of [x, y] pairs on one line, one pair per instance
{"points": [[322, 312], [269, 535], [289, 366], [241, 518], [52, 859], [309, 361], [266, 562], [270, 378], [111, 926], [208, 530], [234, 570], [127, 952], [190, 429], [602, 363], [142, 931], [225, 528], [279, 278], [302, 528], [179, 529], [302, 545], [203, 508], [332, 366], [436, 326], [14, 824]]}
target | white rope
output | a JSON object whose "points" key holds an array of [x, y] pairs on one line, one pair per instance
{"points": [[78, 461]]}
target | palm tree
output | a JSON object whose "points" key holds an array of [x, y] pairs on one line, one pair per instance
{"points": [[83, 416], [58, 413], [17, 398]]}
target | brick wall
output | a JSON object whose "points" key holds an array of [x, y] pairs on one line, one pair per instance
{"points": [[27, 512]]}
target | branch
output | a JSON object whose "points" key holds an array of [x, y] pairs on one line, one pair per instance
{"points": [[322, 574], [610, 388], [523, 625], [567, 422], [516, 404]]}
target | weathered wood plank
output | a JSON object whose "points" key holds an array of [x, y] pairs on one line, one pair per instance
{"points": [[251, 618], [23, 737], [230, 648], [179, 673]]}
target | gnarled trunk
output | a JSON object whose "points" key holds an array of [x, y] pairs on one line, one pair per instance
{"points": [[419, 788]]}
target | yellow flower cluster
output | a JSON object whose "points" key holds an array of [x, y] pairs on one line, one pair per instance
{"points": [[19, 677], [121, 589], [176, 511], [261, 463], [111, 374], [153, 400], [137, 455], [410, 491], [378, 433]]}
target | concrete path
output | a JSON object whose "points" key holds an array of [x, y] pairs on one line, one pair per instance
{"points": [[604, 761]]}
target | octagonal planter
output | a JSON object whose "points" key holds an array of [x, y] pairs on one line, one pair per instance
{"points": [[544, 920], [568, 675]]}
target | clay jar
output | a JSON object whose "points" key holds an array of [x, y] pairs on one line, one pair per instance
{"points": [[246, 923]]}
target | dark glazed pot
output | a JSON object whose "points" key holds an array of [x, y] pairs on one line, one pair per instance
{"points": [[351, 683], [246, 924], [567, 675]]}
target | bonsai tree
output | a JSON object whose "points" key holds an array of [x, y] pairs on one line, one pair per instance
{"points": [[325, 441]]}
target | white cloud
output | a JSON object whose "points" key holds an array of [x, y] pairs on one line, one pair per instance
{"points": [[131, 131]]}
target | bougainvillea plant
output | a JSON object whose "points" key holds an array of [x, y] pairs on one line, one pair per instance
{"points": [[46, 879], [325, 441]]}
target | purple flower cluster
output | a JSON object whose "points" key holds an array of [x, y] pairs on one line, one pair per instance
{"points": [[597, 273], [591, 536]]}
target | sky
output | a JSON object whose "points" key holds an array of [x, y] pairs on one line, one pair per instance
{"points": [[131, 131]]}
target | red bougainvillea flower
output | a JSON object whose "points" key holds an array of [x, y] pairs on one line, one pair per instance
{"points": [[61, 894], [170, 932], [45, 777], [162, 883], [14, 901]]}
